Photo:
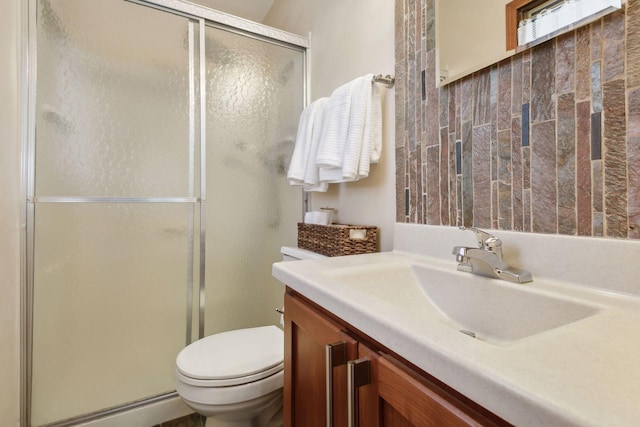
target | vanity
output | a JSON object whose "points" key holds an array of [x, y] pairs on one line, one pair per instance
{"points": [[403, 338], [322, 349]]}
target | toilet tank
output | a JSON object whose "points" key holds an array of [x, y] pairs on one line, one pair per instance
{"points": [[292, 253]]}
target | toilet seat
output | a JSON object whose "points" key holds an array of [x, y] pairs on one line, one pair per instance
{"points": [[231, 381], [214, 396], [232, 358]]}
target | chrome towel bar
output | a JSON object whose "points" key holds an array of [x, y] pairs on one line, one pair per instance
{"points": [[387, 81]]}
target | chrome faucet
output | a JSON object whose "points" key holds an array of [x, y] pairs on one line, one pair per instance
{"points": [[486, 259]]}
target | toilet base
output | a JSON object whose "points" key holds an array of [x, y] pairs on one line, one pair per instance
{"points": [[265, 411]]}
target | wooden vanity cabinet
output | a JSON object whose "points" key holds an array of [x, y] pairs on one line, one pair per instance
{"points": [[393, 394], [309, 336]]}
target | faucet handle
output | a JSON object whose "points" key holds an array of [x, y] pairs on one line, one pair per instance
{"points": [[485, 240]]}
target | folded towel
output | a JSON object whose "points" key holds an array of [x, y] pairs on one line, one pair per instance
{"points": [[363, 139], [315, 217], [300, 156], [339, 152], [302, 169], [335, 129], [372, 132], [373, 125], [312, 171], [338, 137], [360, 98]]}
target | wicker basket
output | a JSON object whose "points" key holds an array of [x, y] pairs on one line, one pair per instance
{"points": [[338, 239]]}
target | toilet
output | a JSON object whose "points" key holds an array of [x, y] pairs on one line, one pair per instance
{"points": [[235, 378], [291, 253]]}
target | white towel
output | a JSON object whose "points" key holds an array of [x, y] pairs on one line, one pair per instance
{"points": [[360, 137], [304, 151], [334, 132], [342, 134], [373, 125], [298, 163], [312, 172], [372, 132], [315, 217], [338, 137], [360, 97]]}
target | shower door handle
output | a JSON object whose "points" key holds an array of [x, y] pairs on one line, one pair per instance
{"points": [[336, 355]]}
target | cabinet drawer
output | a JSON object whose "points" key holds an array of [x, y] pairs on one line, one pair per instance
{"points": [[419, 401]]}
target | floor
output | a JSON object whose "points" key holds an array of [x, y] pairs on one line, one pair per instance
{"points": [[193, 420]]}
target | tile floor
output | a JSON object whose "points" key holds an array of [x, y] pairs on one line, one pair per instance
{"points": [[193, 420]]}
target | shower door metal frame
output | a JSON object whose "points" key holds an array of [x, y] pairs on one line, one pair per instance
{"points": [[203, 17]]}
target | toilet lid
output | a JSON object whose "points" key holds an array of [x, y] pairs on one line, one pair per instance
{"points": [[233, 354]]}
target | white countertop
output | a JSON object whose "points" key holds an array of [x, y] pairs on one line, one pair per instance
{"points": [[585, 373]]}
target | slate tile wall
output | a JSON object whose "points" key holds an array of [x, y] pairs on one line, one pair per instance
{"points": [[546, 141]]}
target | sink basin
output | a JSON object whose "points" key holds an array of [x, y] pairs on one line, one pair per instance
{"points": [[491, 310], [494, 310]]}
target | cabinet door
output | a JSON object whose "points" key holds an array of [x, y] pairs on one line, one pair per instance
{"points": [[400, 397], [307, 334]]}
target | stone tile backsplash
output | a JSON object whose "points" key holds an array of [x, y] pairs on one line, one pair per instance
{"points": [[547, 141]]}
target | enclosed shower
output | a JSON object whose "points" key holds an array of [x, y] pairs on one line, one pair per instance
{"points": [[156, 194]]}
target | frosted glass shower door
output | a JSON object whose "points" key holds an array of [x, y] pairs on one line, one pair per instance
{"points": [[255, 94], [141, 236], [113, 202]]}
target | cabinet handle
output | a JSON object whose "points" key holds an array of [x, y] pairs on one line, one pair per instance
{"points": [[336, 355], [358, 374]]}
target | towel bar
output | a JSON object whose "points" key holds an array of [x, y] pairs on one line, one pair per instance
{"points": [[387, 81]]}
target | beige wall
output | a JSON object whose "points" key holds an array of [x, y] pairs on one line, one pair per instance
{"points": [[349, 39], [9, 216]]}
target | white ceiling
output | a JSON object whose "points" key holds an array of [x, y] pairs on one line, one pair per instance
{"points": [[254, 10]]}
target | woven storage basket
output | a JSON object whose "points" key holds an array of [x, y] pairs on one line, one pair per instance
{"points": [[338, 239]]}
